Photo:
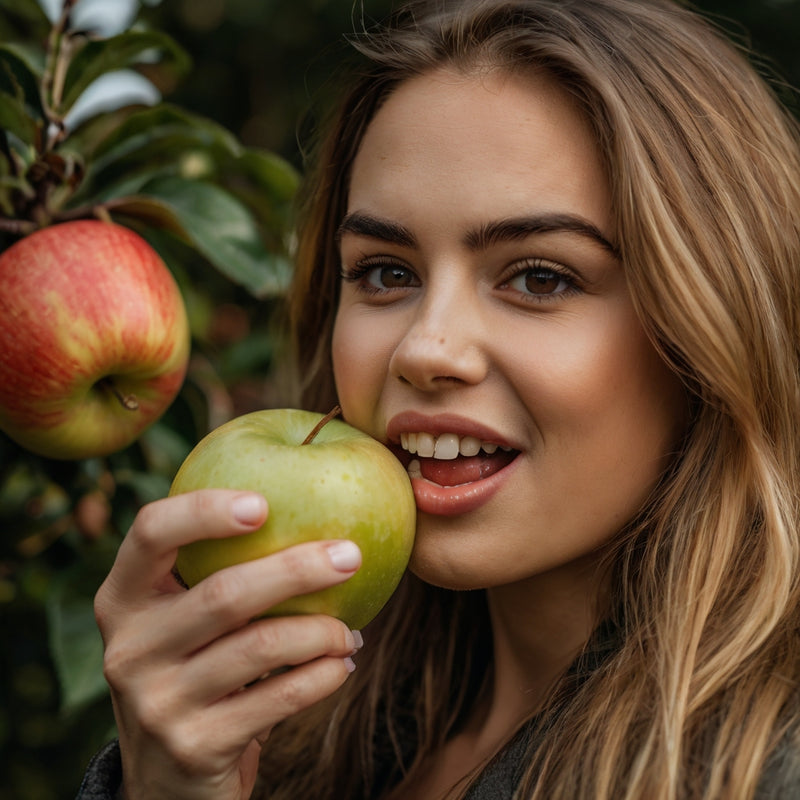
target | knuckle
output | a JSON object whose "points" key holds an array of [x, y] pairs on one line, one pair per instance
{"points": [[187, 747], [291, 694], [264, 639], [101, 614], [299, 568], [202, 502], [116, 665], [336, 636], [153, 715], [222, 594], [146, 528]]}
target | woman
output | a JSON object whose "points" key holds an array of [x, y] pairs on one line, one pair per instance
{"points": [[560, 242]]}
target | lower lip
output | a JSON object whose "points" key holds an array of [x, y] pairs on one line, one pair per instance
{"points": [[450, 501]]}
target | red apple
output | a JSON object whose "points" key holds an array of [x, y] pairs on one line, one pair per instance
{"points": [[94, 339]]}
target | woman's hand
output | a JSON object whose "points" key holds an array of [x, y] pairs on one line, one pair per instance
{"points": [[188, 670]]}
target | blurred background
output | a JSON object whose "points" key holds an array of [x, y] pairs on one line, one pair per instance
{"points": [[258, 68], [258, 62]]}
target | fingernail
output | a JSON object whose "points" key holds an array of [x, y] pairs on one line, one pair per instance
{"points": [[349, 664], [358, 640], [248, 509], [345, 556]]}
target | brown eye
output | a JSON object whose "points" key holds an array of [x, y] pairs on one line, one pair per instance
{"points": [[540, 282], [543, 281], [392, 277]]}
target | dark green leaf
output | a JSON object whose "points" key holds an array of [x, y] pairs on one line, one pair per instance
{"points": [[98, 57], [162, 139], [75, 644], [149, 211], [270, 172], [147, 487], [14, 118], [29, 11], [266, 183], [251, 356], [224, 231], [21, 70]]}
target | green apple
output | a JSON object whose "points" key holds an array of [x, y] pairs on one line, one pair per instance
{"points": [[343, 484]]}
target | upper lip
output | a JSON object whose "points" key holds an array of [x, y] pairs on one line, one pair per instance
{"points": [[416, 422]]}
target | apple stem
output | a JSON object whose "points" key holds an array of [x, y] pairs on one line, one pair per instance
{"points": [[128, 401], [334, 412]]}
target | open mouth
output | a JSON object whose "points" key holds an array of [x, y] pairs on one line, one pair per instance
{"points": [[450, 460]]}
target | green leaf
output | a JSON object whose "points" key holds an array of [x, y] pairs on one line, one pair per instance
{"points": [[75, 643], [224, 231], [162, 139], [147, 487], [15, 118], [21, 70], [98, 57], [149, 211], [27, 10], [270, 173]]}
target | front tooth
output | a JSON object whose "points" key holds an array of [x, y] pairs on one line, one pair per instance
{"points": [[414, 470], [488, 447], [425, 445], [446, 447], [470, 446]]}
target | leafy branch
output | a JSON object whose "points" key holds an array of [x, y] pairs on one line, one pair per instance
{"points": [[135, 162]]}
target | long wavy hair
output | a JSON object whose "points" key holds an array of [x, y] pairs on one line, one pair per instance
{"points": [[699, 691]]}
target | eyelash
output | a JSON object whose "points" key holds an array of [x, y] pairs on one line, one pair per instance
{"points": [[542, 266], [359, 272]]}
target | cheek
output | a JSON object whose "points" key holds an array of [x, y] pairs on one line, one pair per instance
{"points": [[345, 358], [607, 402], [359, 360]]}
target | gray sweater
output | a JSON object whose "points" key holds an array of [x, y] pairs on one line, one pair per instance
{"points": [[781, 779]]}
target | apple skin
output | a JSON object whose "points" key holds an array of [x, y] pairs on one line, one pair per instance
{"points": [[343, 485], [87, 309]]}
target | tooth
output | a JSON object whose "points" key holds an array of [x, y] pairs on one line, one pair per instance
{"points": [[470, 446], [404, 441], [446, 447], [506, 449], [425, 445], [412, 443], [489, 447], [413, 469]]}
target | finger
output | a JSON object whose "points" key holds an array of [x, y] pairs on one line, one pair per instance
{"points": [[232, 597], [252, 652], [147, 553], [257, 709]]}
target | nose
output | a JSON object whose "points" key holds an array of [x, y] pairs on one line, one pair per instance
{"points": [[443, 345]]}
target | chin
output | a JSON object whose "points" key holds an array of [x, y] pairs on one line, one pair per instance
{"points": [[436, 570]]}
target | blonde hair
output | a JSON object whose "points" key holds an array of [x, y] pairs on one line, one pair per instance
{"points": [[704, 165]]}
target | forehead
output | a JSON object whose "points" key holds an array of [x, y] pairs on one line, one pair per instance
{"points": [[487, 143]]}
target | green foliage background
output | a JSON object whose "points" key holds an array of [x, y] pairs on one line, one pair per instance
{"points": [[257, 66]]}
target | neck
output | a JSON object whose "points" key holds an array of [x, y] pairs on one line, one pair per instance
{"points": [[539, 626]]}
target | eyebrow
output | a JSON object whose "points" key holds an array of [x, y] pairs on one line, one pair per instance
{"points": [[505, 230], [376, 228], [517, 228]]}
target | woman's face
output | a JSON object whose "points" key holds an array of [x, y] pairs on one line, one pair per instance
{"points": [[486, 333]]}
